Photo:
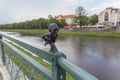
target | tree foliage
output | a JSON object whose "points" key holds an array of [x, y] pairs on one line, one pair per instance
{"points": [[62, 23], [81, 16], [40, 23], [80, 11], [93, 19]]}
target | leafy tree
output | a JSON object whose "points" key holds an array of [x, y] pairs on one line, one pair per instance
{"points": [[80, 11], [81, 16], [14, 25], [53, 20], [40, 23], [62, 23], [93, 19], [50, 16]]}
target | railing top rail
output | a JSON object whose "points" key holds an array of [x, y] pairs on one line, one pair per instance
{"points": [[43, 54], [42, 69], [77, 72]]}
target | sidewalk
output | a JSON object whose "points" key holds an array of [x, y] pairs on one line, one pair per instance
{"points": [[4, 71]]}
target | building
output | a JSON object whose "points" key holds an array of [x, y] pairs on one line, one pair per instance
{"points": [[68, 18], [110, 17]]}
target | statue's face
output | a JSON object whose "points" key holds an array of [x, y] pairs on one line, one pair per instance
{"points": [[55, 31], [53, 28]]}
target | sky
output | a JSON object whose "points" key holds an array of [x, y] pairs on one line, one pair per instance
{"points": [[21, 10]]}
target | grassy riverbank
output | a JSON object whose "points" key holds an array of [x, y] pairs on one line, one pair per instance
{"points": [[93, 34], [34, 32], [26, 32], [1, 77]]}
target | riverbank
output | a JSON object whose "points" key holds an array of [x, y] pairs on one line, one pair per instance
{"points": [[26, 32], [1, 78], [92, 34], [36, 32]]}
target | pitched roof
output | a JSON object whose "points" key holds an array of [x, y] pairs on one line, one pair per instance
{"points": [[65, 16], [68, 16]]}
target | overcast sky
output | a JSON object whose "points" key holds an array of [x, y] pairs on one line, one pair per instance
{"points": [[21, 10]]}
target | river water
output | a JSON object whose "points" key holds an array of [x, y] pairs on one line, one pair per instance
{"points": [[99, 56]]}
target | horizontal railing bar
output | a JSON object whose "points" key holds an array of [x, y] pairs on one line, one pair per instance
{"points": [[43, 70], [45, 55], [75, 71]]}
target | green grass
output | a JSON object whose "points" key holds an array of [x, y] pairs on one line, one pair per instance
{"points": [[93, 34], [38, 59], [27, 32], [1, 77], [35, 32], [25, 67]]}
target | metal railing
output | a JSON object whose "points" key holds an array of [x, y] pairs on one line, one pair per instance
{"points": [[24, 67]]}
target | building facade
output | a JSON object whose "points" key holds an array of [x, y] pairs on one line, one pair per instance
{"points": [[110, 17], [68, 18]]}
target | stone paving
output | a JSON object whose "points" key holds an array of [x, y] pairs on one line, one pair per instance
{"points": [[4, 71]]}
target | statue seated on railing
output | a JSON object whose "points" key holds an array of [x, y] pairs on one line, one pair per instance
{"points": [[52, 36]]}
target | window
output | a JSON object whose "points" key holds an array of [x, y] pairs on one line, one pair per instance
{"points": [[106, 17]]}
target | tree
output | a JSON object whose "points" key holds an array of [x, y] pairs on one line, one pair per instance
{"points": [[50, 16], [93, 19], [80, 11], [43, 23], [62, 23], [53, 20], [81, 16], [40, 23]]}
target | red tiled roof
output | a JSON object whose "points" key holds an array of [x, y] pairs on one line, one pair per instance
{"points": [[68, 16], [59, 16], [65, 16]]}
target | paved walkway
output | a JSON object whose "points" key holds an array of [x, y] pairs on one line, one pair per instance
{"points": [[4, 71]]}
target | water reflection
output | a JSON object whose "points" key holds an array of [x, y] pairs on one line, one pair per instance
{"points": [[98, 56]]}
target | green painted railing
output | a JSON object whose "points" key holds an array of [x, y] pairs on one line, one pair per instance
{"points": [[23, 66]]}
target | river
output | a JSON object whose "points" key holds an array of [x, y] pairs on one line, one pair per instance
{"points": [[99, 56]]}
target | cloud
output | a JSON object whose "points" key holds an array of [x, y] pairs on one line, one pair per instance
{"points": [[20, 10], [101, 7], [73, 2], [94, 9], [86, 1]]}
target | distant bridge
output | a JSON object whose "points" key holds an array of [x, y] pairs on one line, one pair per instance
{"points": [[26, 62]]}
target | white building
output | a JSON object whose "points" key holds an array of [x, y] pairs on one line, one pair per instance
{"points": [[110, 17]]}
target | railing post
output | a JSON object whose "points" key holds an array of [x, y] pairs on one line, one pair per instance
{"points": [[58, 73], [2, 50]]}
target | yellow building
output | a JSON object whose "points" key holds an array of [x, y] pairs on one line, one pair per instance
{"points": [[68, 18]]}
